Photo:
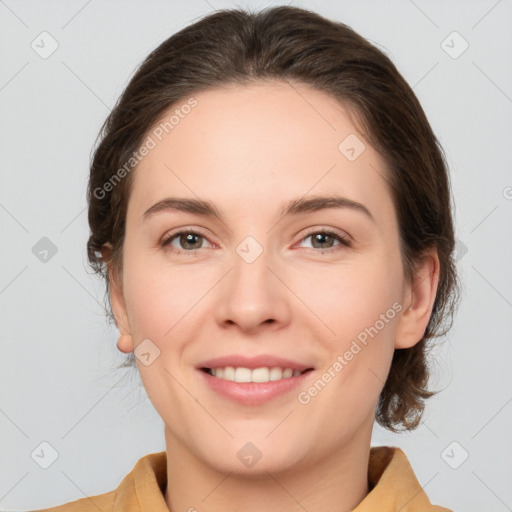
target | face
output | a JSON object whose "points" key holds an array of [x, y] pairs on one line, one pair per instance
{"points": [[318, 290]]}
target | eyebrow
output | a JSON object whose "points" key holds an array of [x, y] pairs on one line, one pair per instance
{"points": [[296, 206]]}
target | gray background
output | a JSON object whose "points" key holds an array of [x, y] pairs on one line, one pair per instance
{"points": [[58, 383]]}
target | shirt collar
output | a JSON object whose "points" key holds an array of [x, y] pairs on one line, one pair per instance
{"points": [[391, 480]]}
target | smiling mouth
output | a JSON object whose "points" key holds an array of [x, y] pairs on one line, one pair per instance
{"points": [[259, 375]]}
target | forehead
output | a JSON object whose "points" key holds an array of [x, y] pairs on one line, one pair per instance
{"points": [[241, 144]]}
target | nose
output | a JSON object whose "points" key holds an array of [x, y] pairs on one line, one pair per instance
{"points": [[252, 296]]}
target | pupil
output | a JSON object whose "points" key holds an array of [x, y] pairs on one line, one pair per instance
{"points": [[319, 237], [189, 239]]}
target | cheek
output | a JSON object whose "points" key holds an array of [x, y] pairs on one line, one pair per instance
{"points": [[361, 307], [359, 353], [159, 297], [356, 297]]}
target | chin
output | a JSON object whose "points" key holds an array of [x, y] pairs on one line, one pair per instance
{"points": [[257, 458]]}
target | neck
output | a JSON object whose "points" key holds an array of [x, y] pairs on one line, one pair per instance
{"points": [[338, 482]]}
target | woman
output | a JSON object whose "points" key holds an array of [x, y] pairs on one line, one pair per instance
{"points": [[271, 212]]}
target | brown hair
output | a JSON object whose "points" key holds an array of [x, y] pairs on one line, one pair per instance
{"points": [[296, 45]]}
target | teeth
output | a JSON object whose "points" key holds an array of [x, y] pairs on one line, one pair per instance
{"points": [[243, 375], [276, 374], [229, 373], [264, 374], [260, 375]]}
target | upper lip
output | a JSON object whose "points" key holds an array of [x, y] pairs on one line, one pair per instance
{"points": [[261, 361]]}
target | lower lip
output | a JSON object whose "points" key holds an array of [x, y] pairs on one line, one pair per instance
{"points": [[253, 393]]}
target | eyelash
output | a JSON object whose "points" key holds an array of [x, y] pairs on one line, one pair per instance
{"points": [[344, 241]]}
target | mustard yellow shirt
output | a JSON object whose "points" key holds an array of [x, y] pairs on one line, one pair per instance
{"points": [[391, 480]]}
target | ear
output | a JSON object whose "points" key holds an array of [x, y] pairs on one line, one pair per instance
{"points": [[125, 341], [418, 301]]}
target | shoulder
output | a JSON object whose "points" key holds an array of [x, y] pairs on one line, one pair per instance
{"points": [[393, 484], [141, 489]]}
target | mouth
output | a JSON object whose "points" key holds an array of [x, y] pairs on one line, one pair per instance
{"points": [[253, 381]]}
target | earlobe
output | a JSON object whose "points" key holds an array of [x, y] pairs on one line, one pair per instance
{"points": [[125, 341], [418, 301]]}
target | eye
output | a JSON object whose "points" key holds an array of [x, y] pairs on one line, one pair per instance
{"points": [[191, 241], [324, 240]]}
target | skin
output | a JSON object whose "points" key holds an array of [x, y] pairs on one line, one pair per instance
{"points": [[250, 150]]}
